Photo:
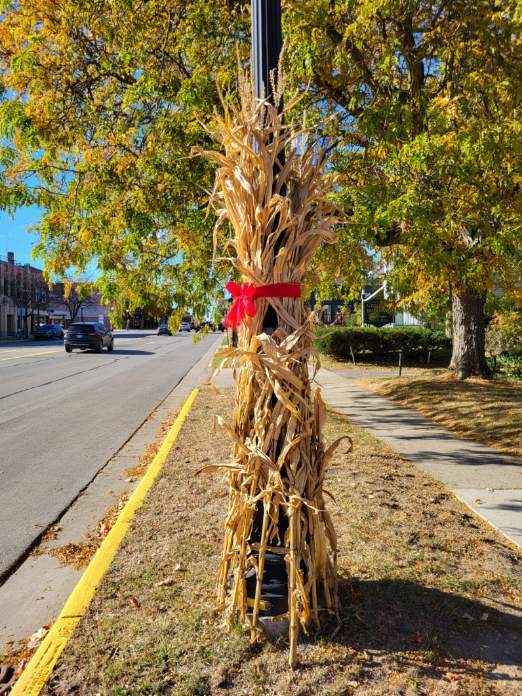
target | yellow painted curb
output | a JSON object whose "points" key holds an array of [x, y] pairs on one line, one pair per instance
{"points": [[33, 678]]}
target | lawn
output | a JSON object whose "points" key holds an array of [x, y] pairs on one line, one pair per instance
{"points": [[428, 591], [489, 411]]}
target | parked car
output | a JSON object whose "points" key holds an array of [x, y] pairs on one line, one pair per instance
{"points": [[163, 330], [185, 326], [46, 332], [89, 335]]}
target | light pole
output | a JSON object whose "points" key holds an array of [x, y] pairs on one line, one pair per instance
{"points": [[267, 42], [365, 299]]}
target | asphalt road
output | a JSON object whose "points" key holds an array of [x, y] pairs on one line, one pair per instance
{"points": [[62, 416]]}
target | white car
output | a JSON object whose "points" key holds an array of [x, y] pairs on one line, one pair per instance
{"points": [[185, 326]]}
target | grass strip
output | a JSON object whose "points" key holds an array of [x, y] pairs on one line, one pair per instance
{"points": [[486, 410], [430, 594]]}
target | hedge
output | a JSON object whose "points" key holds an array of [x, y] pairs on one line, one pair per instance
{"points": [[413, 341]]}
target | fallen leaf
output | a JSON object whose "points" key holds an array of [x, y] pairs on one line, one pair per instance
{"points": [[451, 676], [37, 637], [165, 582]]}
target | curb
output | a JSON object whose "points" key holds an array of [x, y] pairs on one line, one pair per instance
{"points": [[34, 677]]}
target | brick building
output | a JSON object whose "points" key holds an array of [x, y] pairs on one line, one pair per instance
{"points": [[23, 296], [26, 301]]}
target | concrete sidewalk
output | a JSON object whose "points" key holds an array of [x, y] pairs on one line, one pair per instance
{"points": [[489, 482]]}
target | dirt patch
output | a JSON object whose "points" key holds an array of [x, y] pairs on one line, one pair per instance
{"points": [[428, 591], [488, 411]]}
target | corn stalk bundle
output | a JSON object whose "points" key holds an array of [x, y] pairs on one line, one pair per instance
{"points": [[271, 187]]}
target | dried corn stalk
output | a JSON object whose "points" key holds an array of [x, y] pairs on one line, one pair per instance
{"points": [[279, 459]]}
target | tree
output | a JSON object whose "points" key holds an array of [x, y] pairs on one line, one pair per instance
{"points": [[75, 295], [102, 103], [41, 297], [428, 97]]}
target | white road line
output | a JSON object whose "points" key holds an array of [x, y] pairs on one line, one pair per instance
{"points": [[12, 350], [31, 355]]}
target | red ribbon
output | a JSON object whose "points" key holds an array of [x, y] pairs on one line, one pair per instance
{"points": [[245, 294]]}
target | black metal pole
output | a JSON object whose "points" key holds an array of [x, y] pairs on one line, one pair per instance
{"points": [[267, 42]]}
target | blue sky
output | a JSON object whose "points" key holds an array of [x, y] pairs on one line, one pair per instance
{"points": [[14, 235]]}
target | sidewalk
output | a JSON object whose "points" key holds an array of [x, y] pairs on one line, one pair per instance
{"points": [[489, 482]]}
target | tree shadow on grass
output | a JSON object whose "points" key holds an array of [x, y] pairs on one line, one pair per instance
{"points": [[432, 630]]}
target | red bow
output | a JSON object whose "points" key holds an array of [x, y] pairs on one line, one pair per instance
{"points": [[245, 294]]}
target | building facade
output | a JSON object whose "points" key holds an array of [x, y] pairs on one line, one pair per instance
{"points": [[92, 309], [23, 295], [26, 301]]}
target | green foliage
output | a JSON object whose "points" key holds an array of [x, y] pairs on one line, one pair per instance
{"points": [[100, 105], [507, 366], [504, 334], [378, 342], [427, 99]]}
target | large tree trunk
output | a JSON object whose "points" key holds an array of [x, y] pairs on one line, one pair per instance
{"points": [[468, 357]]}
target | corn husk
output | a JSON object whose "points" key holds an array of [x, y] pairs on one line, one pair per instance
{"points": [[279, 214]]}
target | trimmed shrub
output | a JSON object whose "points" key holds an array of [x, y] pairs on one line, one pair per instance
{"points": [[413, 341]]}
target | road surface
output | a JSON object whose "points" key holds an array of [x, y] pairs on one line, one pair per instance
{"points": [[62, 416]]}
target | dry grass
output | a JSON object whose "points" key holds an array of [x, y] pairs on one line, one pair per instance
{"points": [[428, 592], [489, 411]]}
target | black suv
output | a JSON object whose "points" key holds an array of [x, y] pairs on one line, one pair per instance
{"points": [[88, 335]]}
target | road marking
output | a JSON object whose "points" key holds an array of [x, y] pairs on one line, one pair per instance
{"points": [[34, 677], [31, 355], [25, 345]]}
